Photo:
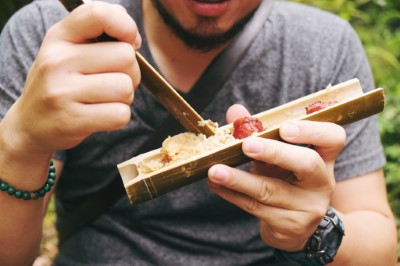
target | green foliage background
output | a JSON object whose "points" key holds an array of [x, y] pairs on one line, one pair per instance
{"points": [[377, 22]]}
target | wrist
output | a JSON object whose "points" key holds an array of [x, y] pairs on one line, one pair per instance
{"points": [[16, 143], [17, 135], [322, 246], [20, 165]]}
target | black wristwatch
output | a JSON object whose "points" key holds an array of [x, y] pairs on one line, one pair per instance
{"points": [[321, 247]]}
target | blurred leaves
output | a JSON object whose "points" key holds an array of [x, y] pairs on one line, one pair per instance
{"points": [[377, 23]]}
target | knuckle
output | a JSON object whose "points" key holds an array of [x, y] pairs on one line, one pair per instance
{"points": [[313, 162], [297, 228], [50, 61], [279, 236], [276, 151], [95, 12], [302, 228], [54, 98], [124, 88], [122, 116], [252, 204], [265, 191], [126, 55]]}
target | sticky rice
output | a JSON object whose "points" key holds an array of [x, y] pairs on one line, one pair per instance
{"points": [[185, 145]]}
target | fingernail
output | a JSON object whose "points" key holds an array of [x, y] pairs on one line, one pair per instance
{"points": [[219, 174], [289, 130], [252, 145]]}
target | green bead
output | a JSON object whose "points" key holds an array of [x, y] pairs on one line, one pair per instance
{"points": [[18, 194], [41, 192], [26, 195], [3, 186], [47, 188], [11, 190], [50, 181], [36, 195], [32, 195], [52, 176]]}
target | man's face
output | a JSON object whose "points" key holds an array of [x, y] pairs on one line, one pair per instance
{"points": [[205, 24]]}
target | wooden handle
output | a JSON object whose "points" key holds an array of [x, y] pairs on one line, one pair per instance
{"points": [[352, 105], [171, 100]]}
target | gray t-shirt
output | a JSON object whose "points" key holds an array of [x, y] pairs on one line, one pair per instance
{"points": [[300, 50]]}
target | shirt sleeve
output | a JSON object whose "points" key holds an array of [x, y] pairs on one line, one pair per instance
{"points": [[363, 152]]}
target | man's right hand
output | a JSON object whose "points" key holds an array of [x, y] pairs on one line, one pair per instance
{"points": [[77, 86]]}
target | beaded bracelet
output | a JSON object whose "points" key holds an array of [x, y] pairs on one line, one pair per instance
{"points": [[27, 195]]}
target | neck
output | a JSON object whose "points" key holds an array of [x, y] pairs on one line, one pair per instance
{"points": [[179, 64]]}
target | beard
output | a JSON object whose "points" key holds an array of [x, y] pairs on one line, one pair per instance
{"points": [[205, 36]]}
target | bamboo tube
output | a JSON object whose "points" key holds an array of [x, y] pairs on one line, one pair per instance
{"points": [[351, 105]]}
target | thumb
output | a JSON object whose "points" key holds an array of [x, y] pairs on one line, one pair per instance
{"points": [[236, 111]]}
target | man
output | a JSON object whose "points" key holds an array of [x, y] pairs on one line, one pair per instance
{"points": [[77, 99]]}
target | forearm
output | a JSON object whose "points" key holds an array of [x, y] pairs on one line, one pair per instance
{"points": [[21, 220], [367, 243]]}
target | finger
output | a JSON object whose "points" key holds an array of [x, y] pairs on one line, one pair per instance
{"points": [[236, 111], [260, 190], [328, 138], [306, 164], [280, 228], [89, 118], [89, 59], [93, 19], [261, 168], [103, 88], [287, 229], [103, 57]]}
